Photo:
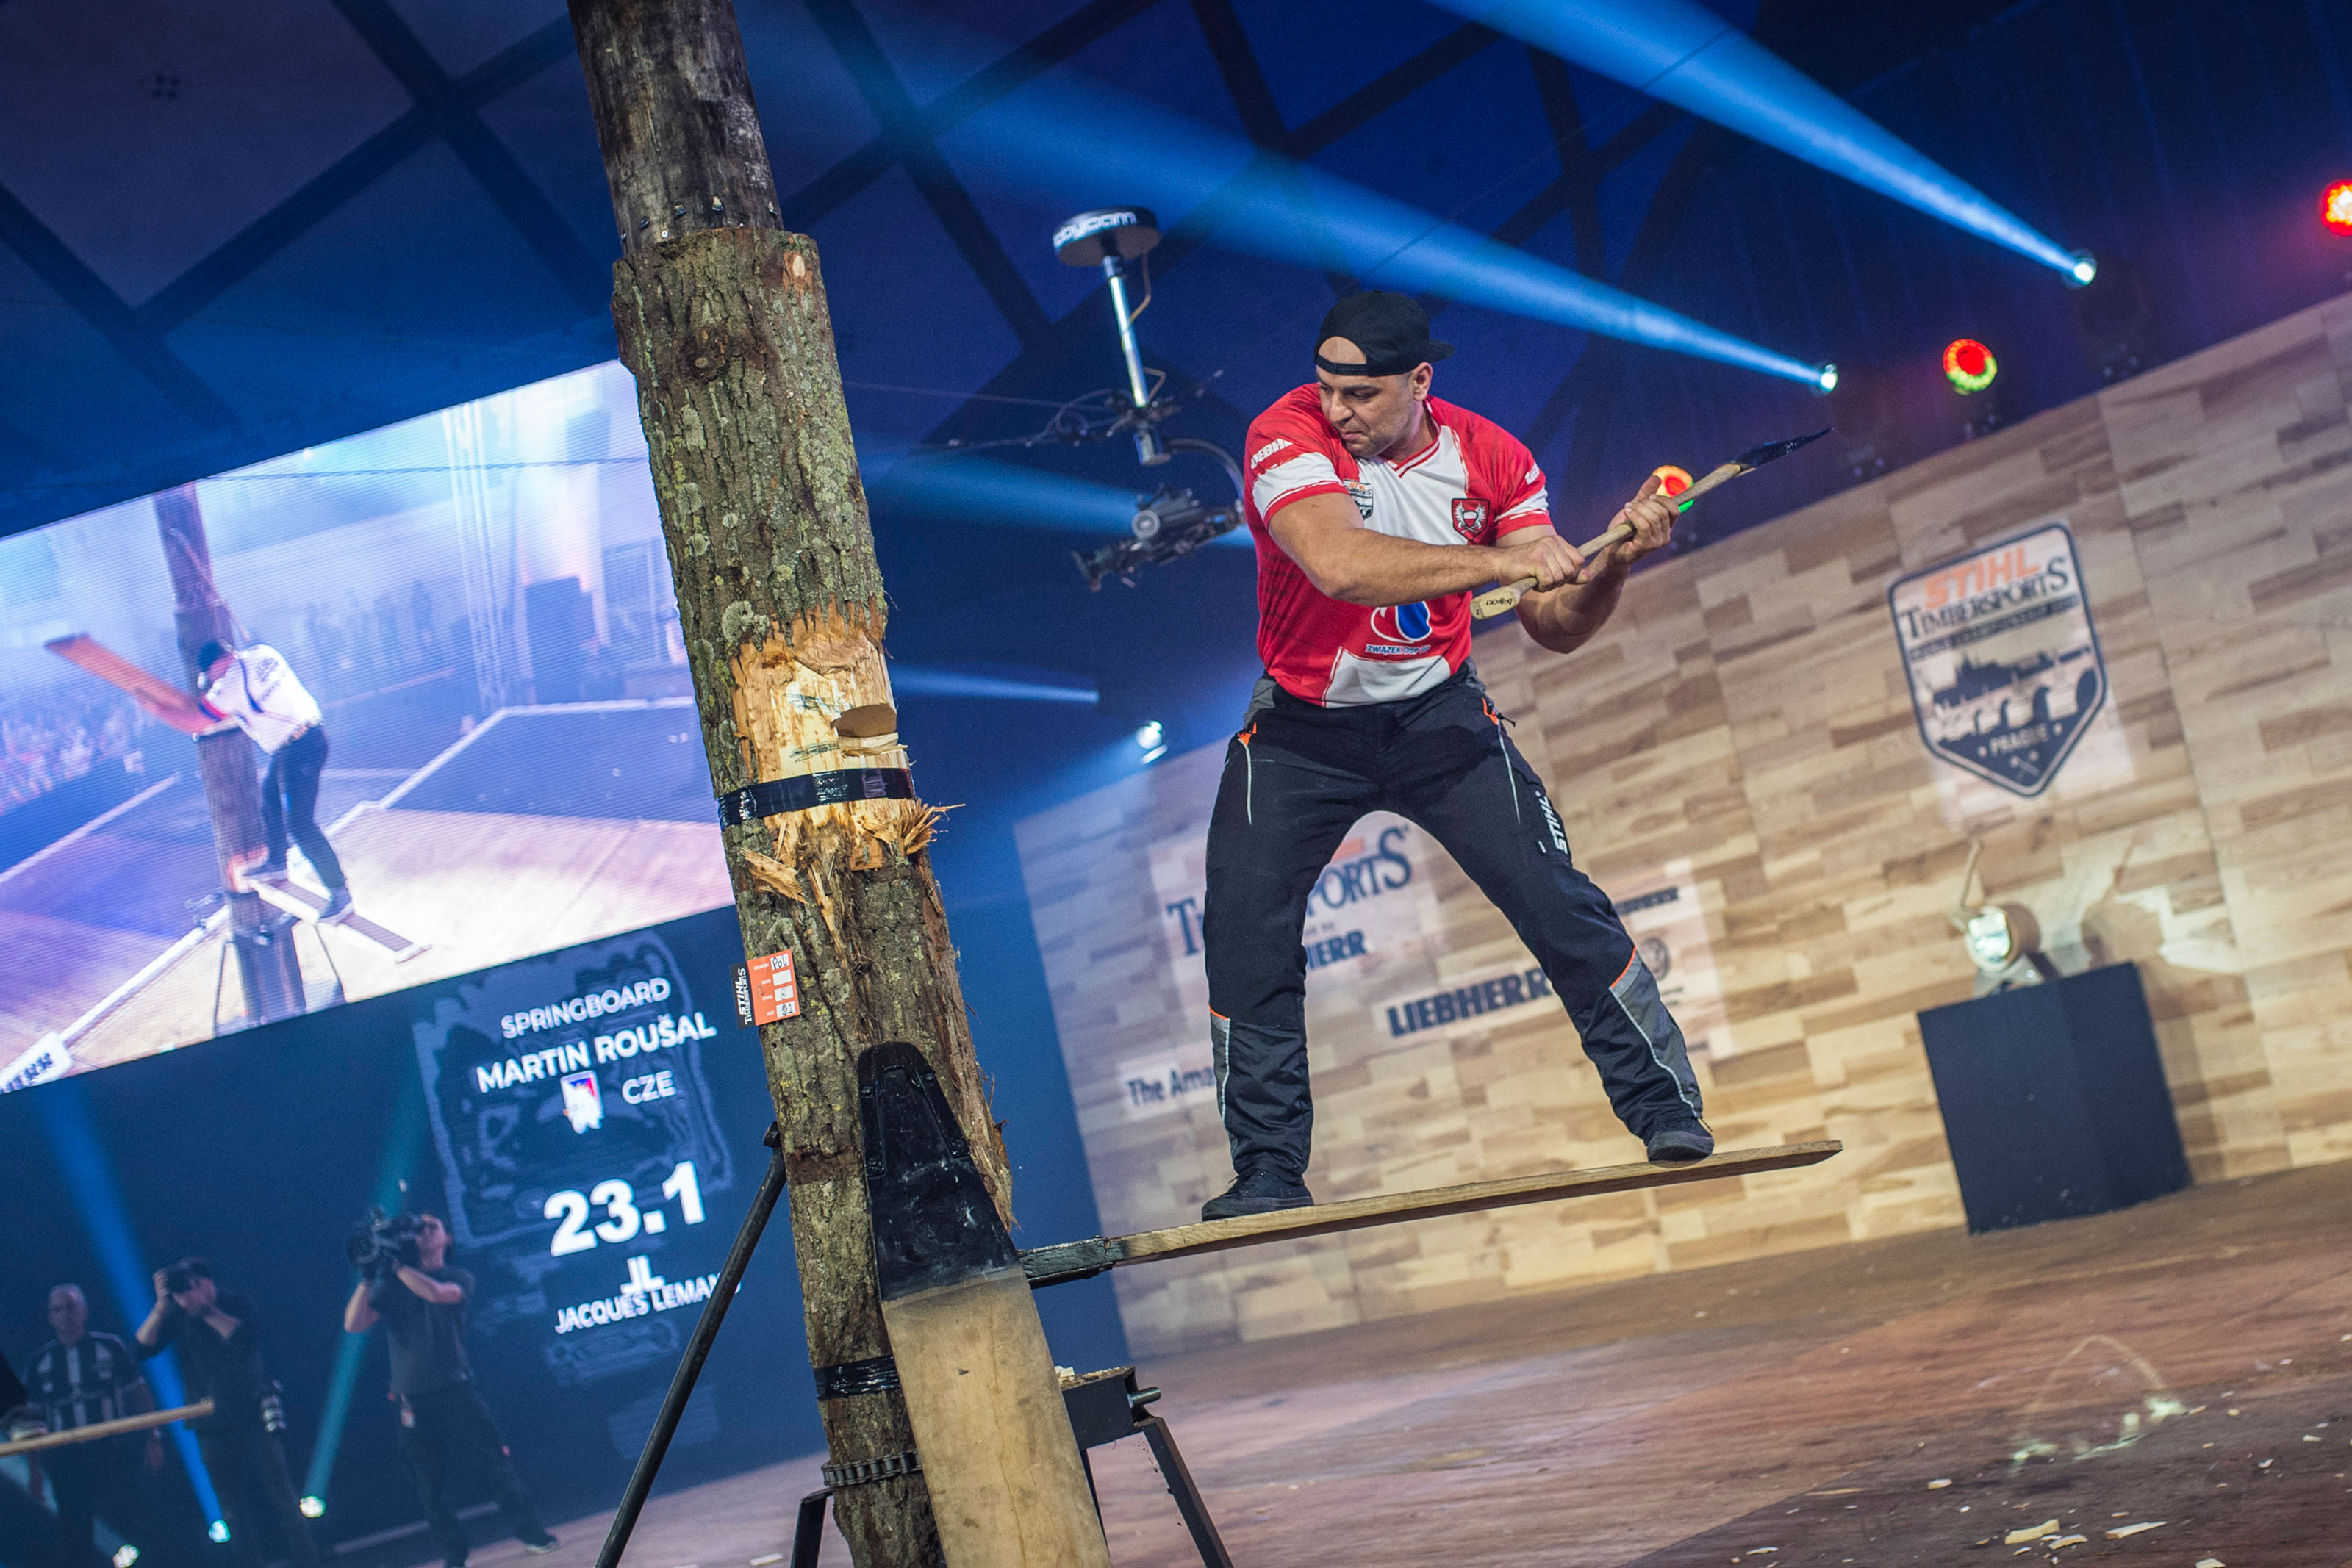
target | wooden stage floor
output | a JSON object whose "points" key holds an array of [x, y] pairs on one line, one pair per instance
{"points": [[2188, 1361]]}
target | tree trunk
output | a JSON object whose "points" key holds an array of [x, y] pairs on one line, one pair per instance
{"points": [[266, 968], [722, 319]]}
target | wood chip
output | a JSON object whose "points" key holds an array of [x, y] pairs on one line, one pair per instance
{"points": [[2030, 1532], [1937, 1486], [2120, 1531], [2211, 1563], [2067, 1540]]}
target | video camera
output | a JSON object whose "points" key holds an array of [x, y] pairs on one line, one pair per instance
{"points": [[179, 1279], [383, 1243]]}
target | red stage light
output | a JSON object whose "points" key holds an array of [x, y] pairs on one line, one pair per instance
{"points": [[2335, 207], [1970, 365], [1672, 481]]}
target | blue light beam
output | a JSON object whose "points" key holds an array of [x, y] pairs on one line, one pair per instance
{"points": [[956, 488], [1084, 144], [402, 1146], [950, 487], [63, 1110], [1008, 684], [1682, 52]]}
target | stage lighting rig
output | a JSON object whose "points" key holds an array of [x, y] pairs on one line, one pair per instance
{"points": [[1169, 525], [1170, 522], [1111, 237]]}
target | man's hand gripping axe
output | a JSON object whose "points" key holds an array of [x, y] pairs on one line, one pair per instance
{"points": [[1495, 602]]}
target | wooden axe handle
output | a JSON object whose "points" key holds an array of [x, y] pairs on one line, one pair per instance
{"points": [[1495, 601]]}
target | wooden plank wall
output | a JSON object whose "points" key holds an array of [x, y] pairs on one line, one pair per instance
{"points": [[1747, 712]]}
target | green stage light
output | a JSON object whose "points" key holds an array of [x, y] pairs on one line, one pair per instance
{"points": [[1970, 366]]}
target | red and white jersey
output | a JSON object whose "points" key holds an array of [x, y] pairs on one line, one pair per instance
{"points": [[1471, 486]]}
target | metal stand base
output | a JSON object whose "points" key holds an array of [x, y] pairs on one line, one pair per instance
{"points": [[1104, 1407]]}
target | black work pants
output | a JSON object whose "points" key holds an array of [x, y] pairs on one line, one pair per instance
{"points": [[1296, 779], [91, 1480], [451, 1420], [289, 804], [248, 1466]]}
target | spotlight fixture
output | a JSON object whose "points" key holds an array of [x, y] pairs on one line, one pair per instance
{"points": [[2335, 207], [1970, 366], [1153, 740], [312, 1507], [1825, 380], [125, 1555], [218, 1530], [2085, 270]]}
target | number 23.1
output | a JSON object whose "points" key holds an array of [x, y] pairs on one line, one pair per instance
{"points": [[622, 1219]]}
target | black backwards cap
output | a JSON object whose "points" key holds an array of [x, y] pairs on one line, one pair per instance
{"points": [[1392, 330]]}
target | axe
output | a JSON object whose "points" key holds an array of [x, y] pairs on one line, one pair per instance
{"points": [[1493, 601]]}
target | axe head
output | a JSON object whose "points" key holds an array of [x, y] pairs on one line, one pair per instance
{"points": [[1757, 456]]}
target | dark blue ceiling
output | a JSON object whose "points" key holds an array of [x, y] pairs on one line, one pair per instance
{"points": [[226, 233]]}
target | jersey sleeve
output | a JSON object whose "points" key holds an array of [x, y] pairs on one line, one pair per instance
{"points": [[1289, 459], [1501, 469]]}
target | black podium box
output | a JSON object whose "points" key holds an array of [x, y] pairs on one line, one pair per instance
{"points": [[2054, 1098]]}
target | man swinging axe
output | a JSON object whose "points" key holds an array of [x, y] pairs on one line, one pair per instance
{"points": [[1377, 511]]}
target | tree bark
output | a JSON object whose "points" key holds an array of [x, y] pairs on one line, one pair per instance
{"points": [[722, 317]]}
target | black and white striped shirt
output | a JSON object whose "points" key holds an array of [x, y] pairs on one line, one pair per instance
{"points": [[85, 1382]]}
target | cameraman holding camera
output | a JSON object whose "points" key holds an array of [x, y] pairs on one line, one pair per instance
{"points": [[407, 1283], [220, 1355]]}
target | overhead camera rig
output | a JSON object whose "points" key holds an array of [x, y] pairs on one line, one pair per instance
{"points": [[1170, 523]]}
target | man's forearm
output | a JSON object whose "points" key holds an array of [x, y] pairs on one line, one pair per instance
{"points": [[359, 1312], [1566, 618], [151, 1333], [425, 1286], [1378, 568]]}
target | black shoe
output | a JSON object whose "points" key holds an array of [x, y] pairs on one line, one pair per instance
{"points": [[1681, 1144], [339, 904], [538, 1544], [1259, 1192]]}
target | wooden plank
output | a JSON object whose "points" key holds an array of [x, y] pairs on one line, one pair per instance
{"points": [[998, 1454], [160, 697], [114, 1429], [1082, 1259]]}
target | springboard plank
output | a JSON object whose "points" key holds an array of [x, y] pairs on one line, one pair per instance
{"points": [[1069, 1260], [98, 1430]]}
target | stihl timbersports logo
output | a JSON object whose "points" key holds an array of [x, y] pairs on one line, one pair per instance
{"points": [[2004, 665]]}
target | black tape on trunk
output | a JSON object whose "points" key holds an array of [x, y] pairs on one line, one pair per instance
{"points": [[844, 1380], [775, 797]]}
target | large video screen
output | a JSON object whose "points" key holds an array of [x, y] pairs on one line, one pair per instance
{"points": [[449, 725]]}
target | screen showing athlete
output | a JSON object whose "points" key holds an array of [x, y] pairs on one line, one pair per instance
{"points": [[1377, 511]]}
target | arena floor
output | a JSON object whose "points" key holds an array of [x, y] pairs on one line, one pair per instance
{"points": [[2188, 1362]]}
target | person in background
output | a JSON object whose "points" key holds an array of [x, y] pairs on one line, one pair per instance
{"points": [[220, 1355], [79, 1379], [425, 1303]]}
